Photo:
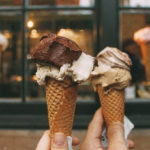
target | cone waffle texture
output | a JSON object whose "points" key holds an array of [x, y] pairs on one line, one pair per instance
{"points": [[112, 105], [61, 102]]}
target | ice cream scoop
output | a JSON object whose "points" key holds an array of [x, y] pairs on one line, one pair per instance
{"points": [[79, 70], [112, 70], [58, 57], [56, 50], [61, 65]]}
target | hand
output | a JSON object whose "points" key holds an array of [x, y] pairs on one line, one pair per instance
{"points": [[58, 143], [92, 140]]}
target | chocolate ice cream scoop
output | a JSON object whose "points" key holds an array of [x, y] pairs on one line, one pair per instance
{"points": [[56, 50]]}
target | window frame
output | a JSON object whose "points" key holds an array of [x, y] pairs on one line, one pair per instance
{"points": [[25, 114], [33, 115]]}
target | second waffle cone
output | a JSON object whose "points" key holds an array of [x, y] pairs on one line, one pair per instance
{"points": [[112, 104], [61, 101]]}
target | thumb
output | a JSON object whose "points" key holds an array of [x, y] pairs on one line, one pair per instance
{"points": [[59, 142], [92, 140]]}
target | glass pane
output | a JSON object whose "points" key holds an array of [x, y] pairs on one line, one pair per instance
{"points": [[10, 2], [124, 2], [62, 2], [138, 51], [135, 3], [10, 55], [75, 25]]}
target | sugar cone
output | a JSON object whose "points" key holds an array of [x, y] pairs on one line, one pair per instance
{"points": [[61, 102], [112, 105]]}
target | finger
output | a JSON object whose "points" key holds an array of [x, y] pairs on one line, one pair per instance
{"points": [[131, 144], [59, 142], [75, 141], [96, 126], [44, 143], [92, 139]]}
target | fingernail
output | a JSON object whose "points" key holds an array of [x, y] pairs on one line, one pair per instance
{"points": [[59, 139]]}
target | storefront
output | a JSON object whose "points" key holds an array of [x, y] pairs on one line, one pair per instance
{"points": [[93, 25]]}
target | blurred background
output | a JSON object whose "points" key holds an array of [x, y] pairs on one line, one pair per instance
{"points": [[93, 24]]}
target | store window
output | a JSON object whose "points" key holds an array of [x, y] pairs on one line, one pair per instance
{"points": [[135, 3], [22, 23], [97, 23], [10, 2], [76, 25], [134, 16], [10, 55], [17, 79]]}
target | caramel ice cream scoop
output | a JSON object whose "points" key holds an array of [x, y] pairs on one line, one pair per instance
{"points": [[112, 70]]}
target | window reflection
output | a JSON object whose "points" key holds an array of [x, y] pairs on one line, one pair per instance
{"points": [[130, 24], [135, 3], [10, 55], [41, 2], [62, 2], [48, 2], [10, 2]]}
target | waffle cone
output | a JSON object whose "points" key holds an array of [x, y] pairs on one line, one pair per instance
{"points": [[112, 105], [61, 102]]}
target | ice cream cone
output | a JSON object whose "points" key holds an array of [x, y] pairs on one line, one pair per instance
{"points": [[145, 48], [61, 102], [112, 105]]}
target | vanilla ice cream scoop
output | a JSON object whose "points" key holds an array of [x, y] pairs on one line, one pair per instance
{"points": [[112, 70], [79, 70]]}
